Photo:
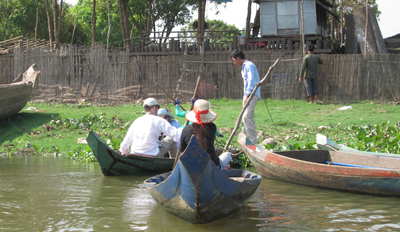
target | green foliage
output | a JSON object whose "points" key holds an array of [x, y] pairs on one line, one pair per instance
{"points": [[291, 146], [82, 154], [81, 15], [18, 17], [349, 4], [221, 33], [384, 137], [87, 122], [241, 161], [217, 32], [60, 129], [143, 15]]}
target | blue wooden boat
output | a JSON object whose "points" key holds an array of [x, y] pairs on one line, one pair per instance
{"points": [[112, 163], [199, 191]]}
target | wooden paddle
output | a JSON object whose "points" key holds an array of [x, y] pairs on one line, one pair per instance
{"points": [[253, 92]]}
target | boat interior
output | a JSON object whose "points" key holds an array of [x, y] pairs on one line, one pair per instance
{"points": [[348, 159]]}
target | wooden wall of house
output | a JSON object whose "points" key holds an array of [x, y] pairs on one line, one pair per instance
{"points": [[74, 74]]}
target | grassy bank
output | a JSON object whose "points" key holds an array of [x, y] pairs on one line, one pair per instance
{"points": [[60, 129]]}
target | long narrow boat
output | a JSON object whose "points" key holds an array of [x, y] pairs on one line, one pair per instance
{"points": [[347, 171], [14, 96], [112, 163], [198, 191], [325, 143]]}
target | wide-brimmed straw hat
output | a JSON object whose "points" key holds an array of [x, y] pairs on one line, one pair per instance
{"points": [[201, 113]]}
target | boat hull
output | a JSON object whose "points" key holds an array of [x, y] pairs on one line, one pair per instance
{"points": [[198, 191], [14, 96], [284, 166], [112, 163]]}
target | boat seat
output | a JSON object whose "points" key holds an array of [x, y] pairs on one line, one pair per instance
{"points": [[237, 179]]}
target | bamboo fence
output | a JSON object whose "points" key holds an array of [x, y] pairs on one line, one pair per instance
{"points": [[74, 74]]}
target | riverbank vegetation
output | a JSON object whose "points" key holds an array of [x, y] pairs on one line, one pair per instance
{"points": [[59, 129]]}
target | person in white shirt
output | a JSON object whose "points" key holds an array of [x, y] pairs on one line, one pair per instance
{"points": [[143, 135]]}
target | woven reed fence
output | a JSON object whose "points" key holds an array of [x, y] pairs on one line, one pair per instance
{"points": [[73, 74]]}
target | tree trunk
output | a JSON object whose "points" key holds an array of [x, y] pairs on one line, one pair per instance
{"points": [[36, 20], [49, 23], [201, 22], [74, 29], [109, 22], [302, 39], [55, 23], [94, 23], [248, 19], [124, 17], [60, 20], [366, 29]]}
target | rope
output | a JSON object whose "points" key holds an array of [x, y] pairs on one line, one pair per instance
{"points": [[267, 109]]}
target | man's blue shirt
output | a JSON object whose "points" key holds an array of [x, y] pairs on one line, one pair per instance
{"points": [[250, 78]]}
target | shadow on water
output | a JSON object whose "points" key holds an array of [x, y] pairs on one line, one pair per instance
{"points": [[22, 123], [241, 220]]}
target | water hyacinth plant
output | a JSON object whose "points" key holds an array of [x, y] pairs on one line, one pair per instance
{"points": [[60, 129]]}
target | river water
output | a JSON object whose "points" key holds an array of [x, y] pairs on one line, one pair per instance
{"points": [[54, 194]]}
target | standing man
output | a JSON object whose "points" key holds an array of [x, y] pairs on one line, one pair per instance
{"points": [[250, 79], [309, 72], [143, 135]]}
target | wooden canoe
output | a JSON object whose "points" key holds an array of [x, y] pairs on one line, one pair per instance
{"points": [[198, 191], [14, 96], [347, 171], [112, 163]]}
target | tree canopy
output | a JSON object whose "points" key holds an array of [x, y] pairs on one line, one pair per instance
{"points": [[116, 21]]}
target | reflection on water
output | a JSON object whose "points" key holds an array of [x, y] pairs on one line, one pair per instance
{"points": [[45, 194]]}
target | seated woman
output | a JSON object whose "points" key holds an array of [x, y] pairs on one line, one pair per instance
{"points": [[203, 128]]}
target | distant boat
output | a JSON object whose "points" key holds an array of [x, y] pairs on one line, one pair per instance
{"points": [[198, 191], [112, 163], [14, 96], [348, 171]]}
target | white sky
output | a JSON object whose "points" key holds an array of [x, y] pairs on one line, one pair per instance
{"points": [[235, 13]]}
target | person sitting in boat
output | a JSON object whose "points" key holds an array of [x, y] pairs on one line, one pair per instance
{"points": [[203, 128], [182, 113], [143, 135], [165, 114]]}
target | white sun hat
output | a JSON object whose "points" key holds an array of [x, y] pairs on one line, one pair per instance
{"points": [[201, 113], [150, 102]]}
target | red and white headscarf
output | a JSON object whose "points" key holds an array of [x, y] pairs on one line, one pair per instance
{"points": [[201, 113]]}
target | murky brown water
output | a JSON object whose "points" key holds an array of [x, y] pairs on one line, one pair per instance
{"points": [[49, 194]]}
